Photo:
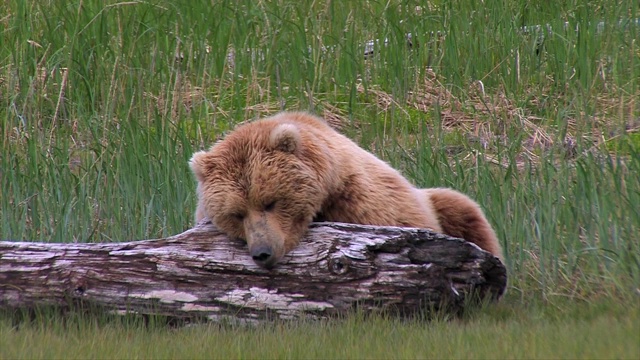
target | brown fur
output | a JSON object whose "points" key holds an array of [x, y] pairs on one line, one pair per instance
{"points": [[461, 217], [267, 180]]}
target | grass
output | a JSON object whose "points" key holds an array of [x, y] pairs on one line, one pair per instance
{"points": [[584, 332], [103, 103]]}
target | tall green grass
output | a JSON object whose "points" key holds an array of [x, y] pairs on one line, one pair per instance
{"points": [[103, 103]]}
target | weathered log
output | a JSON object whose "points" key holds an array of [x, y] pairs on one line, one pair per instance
{"points": [[201, 273]]}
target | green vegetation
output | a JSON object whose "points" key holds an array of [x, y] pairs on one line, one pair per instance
{"points": [[102, 104], [501, 332]]}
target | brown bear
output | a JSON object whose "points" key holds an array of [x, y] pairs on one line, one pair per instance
{"points": [[268, 179]]}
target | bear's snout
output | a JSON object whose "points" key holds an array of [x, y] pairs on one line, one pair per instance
{"points": [[263, 255], [265, 238]]}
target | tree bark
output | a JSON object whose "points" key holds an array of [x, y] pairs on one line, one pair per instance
{"points": [[201, 273]]}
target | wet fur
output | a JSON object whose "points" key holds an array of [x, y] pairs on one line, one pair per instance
{"points": [[267, 180]]}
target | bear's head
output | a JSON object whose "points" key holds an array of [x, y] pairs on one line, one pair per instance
{"points": [[264, 183]]}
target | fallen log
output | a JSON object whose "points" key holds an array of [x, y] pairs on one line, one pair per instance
{"points": [[200, 273]]}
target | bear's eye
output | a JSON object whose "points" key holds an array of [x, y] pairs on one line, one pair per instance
{"points": [[238, 216], [270, 206]]}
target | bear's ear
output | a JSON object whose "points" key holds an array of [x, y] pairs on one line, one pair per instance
{"points": [[199, 164], [285, 137]]}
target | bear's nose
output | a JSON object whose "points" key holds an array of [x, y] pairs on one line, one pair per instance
{"points": [[263, 256]]}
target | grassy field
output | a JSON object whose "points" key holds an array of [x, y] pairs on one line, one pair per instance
{"points": [[500, 332], [102, 104]]}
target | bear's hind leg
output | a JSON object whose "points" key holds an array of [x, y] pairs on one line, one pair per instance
{"points": [[461, 217]]}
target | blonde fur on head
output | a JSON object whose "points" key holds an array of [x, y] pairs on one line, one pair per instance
{"points": [[197, 164], [285, 137]]}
